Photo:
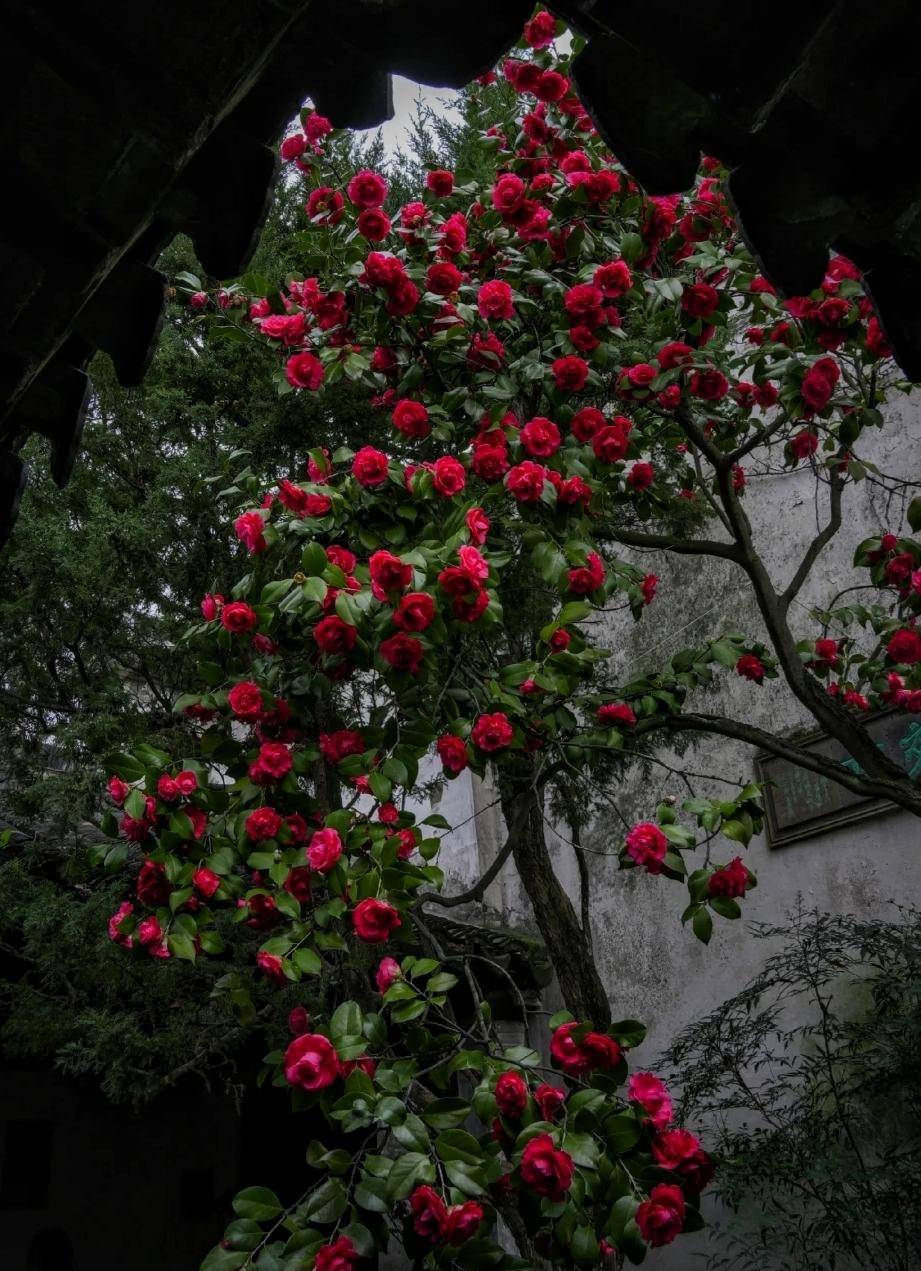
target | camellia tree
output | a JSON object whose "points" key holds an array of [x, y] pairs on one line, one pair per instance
{"points": [[571, 369]]}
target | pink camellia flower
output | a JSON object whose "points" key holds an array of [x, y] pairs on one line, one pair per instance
{"points": [[118, 790], [304, 370], [205, 880], [650, 1092], [324, 850], [249, 529], [647, 845], [387, 973], [271, 965], [311, 1062], [124, 910]]}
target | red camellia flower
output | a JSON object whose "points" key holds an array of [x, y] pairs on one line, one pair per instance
{"points": [[647, 845], [539, 30], [616, 713], [609, 444], [586, 423], [411, 418], [337, 746], [508, 193], [732, 880], [526, 481], [585, 579], [462, 1222], [304, 370], [238, 617], [429, 1213], [819, 383], [245, 700], [550, 1099], [373, 224], [545, 1168], [709, 384], [389, 575], [153, 886], [324, 205], [367, 189], [440, 182], [492, 732], [374, 920], [452, 751], [369, 467], [340, 1255], [614, 279], [311, 1062], [403, 652], [904, 646], [118, 790], [570, 374], [443, 278], [333, 636], [540, 437], [448, 476], [803, 444], [263, 823], [750, 668], [661, 1217], [415, 612], [641, 476], [511, 1094], [700, 300], [494, 301]]}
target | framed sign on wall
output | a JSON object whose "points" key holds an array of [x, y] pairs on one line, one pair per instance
{"points": [[800, 804]]}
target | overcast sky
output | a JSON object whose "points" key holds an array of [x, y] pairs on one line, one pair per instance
{"points": [[405, 95]]}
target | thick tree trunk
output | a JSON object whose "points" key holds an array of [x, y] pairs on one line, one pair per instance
{"points": [[568, 946]]}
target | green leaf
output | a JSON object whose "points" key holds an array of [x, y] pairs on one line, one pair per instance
{"points": [[703, 925], [327, 1203], [458, 1145], [407, 1171], [257, 1203], [914, 514], [314, 559], [725, 907], [345, 1022]]}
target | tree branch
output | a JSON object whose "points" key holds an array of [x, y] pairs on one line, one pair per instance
{"points": [[818, 544], [904, 793], [681, 546]]}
